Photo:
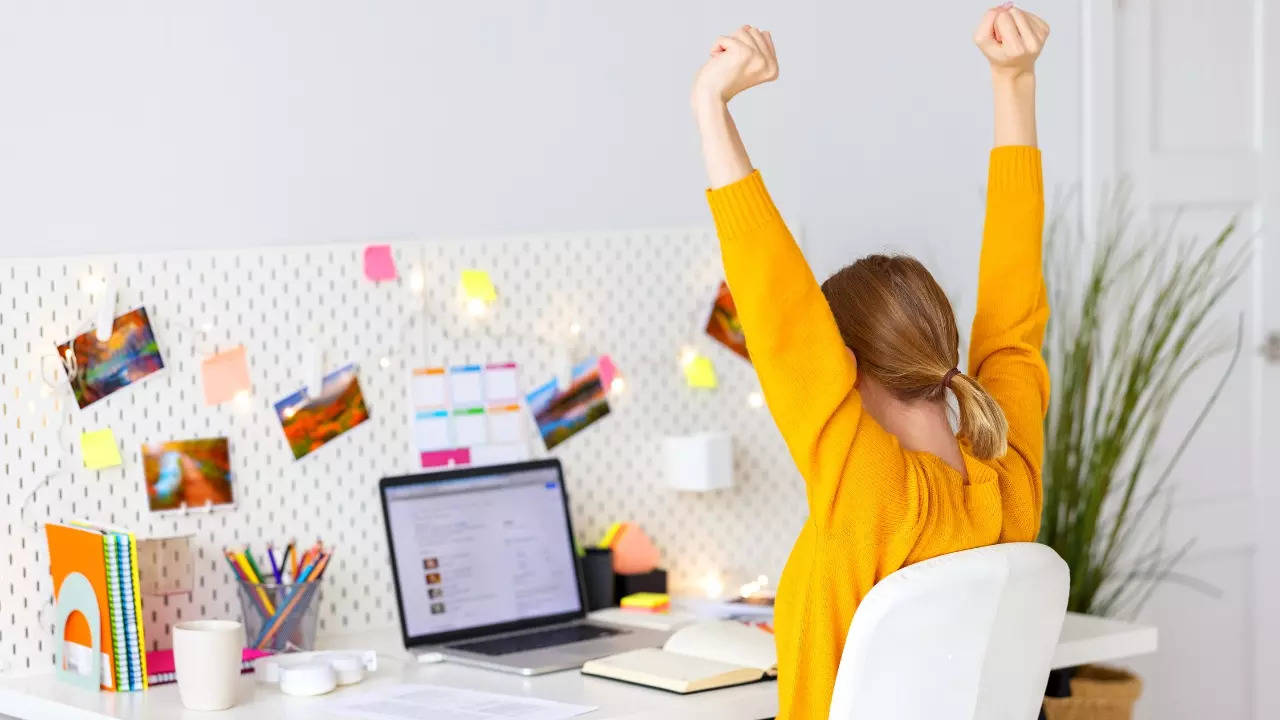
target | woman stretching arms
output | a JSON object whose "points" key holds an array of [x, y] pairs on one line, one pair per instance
{"points": [[856, 371]]}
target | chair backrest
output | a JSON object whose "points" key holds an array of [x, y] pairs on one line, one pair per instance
{"points": [[963, 636]]}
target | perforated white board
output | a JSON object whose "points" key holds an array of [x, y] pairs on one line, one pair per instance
{"points": [[639, 296]]}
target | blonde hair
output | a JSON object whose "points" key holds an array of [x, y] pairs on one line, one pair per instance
{"points": [[900, 326]]}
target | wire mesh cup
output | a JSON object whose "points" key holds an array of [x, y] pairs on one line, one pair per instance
{"points": [[280, 617]]}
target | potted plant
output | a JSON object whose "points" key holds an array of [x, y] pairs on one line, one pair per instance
{"points": [[1130, 324]]}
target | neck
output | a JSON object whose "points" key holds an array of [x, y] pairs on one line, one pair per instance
{"points": [[922, 426]]}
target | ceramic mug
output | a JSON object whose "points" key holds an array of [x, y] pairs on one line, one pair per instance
{"points": [[206, 659]]}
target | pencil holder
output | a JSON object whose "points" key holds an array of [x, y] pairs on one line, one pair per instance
{"points": [[280, 617]]}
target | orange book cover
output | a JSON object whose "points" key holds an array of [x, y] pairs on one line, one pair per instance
{"points": [[73, 549]]}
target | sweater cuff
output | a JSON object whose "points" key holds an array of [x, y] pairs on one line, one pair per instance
{"points": [[1014, 170], [742, 206]]}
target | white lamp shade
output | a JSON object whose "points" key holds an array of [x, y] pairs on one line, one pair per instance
{"points": [[699, 462]]}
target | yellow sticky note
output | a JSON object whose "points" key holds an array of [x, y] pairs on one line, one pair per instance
{"points": [[476, 285], [99, 450], [700, 373]]}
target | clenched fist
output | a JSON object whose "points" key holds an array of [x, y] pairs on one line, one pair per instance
{"points": [[1011, 39], [738, 61]]}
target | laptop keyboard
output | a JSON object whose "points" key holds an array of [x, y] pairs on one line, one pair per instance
{"points": [[537, 640]]}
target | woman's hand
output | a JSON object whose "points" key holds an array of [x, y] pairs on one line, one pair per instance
{"points": [[738, 61], [1011, 39]]}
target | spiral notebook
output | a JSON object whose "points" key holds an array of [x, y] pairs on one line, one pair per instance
{"points": [[161, 668]]}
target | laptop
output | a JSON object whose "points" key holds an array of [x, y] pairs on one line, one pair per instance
{"points": [[486, 574]]}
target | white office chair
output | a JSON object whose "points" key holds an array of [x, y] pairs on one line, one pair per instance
{"points": [[965, 636]]}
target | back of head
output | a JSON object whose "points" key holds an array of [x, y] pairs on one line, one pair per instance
{"points": [[899, 324]]}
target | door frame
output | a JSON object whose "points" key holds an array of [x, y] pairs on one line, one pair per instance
{"points": [[1099, 164]]}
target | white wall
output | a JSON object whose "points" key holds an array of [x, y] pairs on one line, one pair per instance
{"points": [[141, 125]]}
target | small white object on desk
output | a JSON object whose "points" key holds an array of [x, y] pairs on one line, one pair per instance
{"points": [[699, 462], [315, 673]]}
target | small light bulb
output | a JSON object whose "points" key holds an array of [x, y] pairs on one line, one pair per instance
{"points": [[687, 355], [416, 281], [755, 399], [618, 386], [207, 327], [712, 585], [476, 307], [241, 400], [575, 329], [385, 362]]}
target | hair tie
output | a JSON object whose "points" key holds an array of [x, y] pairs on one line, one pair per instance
{"points": [[946, 379]]}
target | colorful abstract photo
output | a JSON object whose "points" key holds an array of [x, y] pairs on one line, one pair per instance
{"points": [[562, 413], [194, 473], [311, 422], [723, 325], [97, 369]]}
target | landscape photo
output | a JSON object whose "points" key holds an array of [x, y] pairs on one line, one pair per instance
{"points": [[194, 473], [563, 412], [96, 368], [723, 325], [310, 422]]}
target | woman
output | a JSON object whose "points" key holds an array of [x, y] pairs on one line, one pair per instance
{"points": [[856, 371]]}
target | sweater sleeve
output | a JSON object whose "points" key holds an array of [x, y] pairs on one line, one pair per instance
{"points": [[805, 370], [1008, 327]]}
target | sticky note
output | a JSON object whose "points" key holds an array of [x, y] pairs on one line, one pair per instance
{"points": [[476, 285], [378, 263], [608, 371], [700, 373], [225, 374], [99, 450]]}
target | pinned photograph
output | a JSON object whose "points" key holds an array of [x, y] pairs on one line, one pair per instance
{"points": [[194, 473], [563, 412], [310, 422], [723, 325], [98, 368]]}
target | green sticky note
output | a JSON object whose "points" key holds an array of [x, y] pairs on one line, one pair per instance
{"points": [[99, 450], [700, 373], [476, 285]]}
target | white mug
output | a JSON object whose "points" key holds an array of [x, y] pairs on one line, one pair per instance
{"points": [[206, 659]]}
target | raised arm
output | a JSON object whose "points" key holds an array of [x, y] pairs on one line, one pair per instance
{"points": [[1008, 327], [805, 370]]}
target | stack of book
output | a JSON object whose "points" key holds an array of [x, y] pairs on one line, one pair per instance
{"points": [[108, 558]]}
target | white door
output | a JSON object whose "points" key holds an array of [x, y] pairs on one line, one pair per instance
{"points": [[1183, 99]]}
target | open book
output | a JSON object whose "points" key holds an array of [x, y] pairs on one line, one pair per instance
{"points": [[699, 657]]}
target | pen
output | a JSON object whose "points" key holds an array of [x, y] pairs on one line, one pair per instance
{"points": [[290, 557], [275, 569]]}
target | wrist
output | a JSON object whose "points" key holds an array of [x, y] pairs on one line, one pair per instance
{"points": [[1013, 77], [707, 103]]}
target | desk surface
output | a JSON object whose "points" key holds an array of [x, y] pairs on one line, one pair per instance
{"points": [[41, 697]]}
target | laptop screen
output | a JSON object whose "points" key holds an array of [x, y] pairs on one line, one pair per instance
{"points": [[481, 548]]}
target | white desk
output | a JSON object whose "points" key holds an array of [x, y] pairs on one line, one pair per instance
{"points": [[1085, 639]]}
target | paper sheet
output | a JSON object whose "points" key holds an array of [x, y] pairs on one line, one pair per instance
{"points": [[700, 373], [225, 374], [412, 702], [99, 449], [378, 263]]}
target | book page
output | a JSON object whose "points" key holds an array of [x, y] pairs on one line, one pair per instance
{"points": [[726, 641], [668, 670]]}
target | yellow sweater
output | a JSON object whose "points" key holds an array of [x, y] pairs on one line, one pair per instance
{"points": [[873, 506]]}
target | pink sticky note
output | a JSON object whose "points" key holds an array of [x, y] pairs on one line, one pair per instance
{"points": [[225, 374], [378, 263], [608, 371]]}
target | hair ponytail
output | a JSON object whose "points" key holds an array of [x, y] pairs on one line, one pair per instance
{"points": [[899, 324], [982, 422]]}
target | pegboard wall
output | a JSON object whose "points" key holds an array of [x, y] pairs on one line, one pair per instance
{"points": [[639, 296]]}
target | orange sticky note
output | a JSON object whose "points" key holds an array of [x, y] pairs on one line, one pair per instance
{"points": [[225, 374], [378, 263]]}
